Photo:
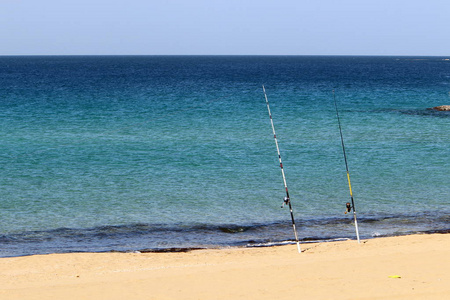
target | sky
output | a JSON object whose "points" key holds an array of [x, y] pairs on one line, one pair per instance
{"points": [[225, 27]]}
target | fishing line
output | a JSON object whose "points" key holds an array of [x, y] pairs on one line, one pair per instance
{"points": [[287, 199], [349, 206]]}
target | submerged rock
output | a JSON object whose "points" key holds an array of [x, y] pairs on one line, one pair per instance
{"points": [[442, 108]]}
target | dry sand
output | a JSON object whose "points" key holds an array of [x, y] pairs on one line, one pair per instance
{"points": [[337, 270]]}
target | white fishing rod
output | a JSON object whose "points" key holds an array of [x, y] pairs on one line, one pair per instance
{"points": [[351, 206], [287, 199]]}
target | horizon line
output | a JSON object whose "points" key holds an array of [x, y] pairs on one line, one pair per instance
{"points": [[316, 55]]}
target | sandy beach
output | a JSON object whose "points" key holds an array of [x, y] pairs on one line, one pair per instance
{"points": [[406, 267]]}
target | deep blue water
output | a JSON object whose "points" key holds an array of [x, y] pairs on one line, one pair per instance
{"points": [[157, 152]]}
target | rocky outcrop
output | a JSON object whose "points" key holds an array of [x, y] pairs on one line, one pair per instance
{"points": [[442, 108]]}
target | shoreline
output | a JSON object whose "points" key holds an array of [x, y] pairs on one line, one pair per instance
{"points": [[248, 245], [167, 238], [418, 265]]}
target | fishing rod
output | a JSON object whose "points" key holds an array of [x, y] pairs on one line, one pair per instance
{"points": [[349, 206], [287, 199]]}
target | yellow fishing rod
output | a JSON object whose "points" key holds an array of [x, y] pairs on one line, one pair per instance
{"points": [[350, 206]]}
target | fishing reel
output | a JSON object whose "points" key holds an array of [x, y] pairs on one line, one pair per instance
{"points": [[349, 208], [286, 201]]}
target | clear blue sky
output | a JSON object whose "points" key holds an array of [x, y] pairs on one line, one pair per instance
{"points": [[235, 27]]}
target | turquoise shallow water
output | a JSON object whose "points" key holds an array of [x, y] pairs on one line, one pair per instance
{"points": [[154, 152]]}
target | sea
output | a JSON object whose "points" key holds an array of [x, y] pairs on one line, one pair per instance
{"points": [[172, 153]]}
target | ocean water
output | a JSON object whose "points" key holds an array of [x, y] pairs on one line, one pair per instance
{"points": [[156, 153]]}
